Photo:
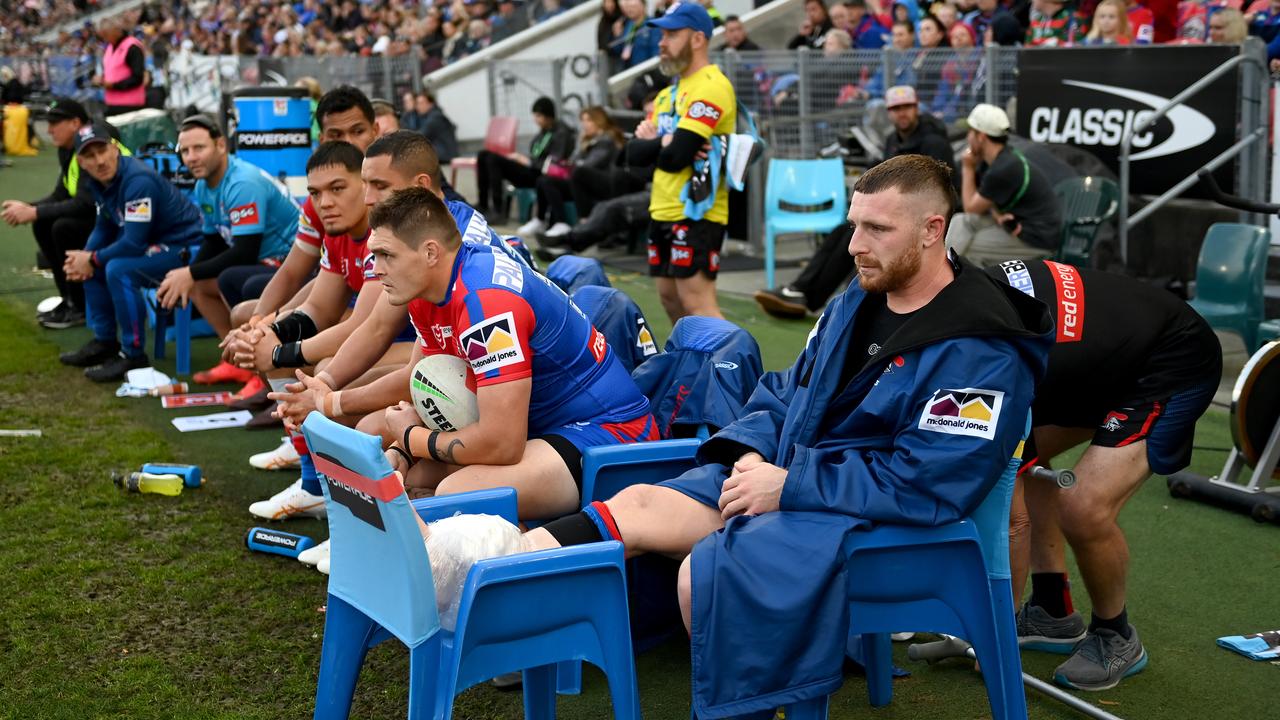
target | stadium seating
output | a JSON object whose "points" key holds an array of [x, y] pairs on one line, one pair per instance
{"points": [[1087, 204], [1229, 279], [381, 586], [801, 196]]}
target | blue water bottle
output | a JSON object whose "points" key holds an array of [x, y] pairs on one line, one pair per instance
{"points": [[190, 474]]}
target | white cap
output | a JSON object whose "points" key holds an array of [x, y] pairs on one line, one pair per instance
{"points": [[990, 120]]}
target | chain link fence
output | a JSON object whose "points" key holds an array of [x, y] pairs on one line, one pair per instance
{"points": [[805, 100], [573, 83]]}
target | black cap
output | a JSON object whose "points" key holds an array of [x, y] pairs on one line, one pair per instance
{"points": [[89, 134], [202, 120], [67, 109]]}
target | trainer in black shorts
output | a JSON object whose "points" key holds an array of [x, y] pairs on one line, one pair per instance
{"points": [[681, 249]]}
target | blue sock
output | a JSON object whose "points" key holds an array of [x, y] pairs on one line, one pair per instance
{"points": [[310, 481]]}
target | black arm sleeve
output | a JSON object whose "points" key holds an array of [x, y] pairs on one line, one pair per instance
{"points": [[243, 252], [137, 63], [680, 152], [643, 153]]}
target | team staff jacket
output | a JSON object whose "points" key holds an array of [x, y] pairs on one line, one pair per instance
{"points": [[1119, 342], [919, 438], [69, 197], [509, 322], [704, 104], [139, 209], [249, 202]]}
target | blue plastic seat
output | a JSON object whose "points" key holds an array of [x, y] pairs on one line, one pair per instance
{"points": [[183, 330], [965, 591], [801, 196], [1230, 276], [380, 586]]}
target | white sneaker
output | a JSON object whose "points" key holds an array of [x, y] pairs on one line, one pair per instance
{"points": [[531, 228], [558, 230], [284, 457], [313, 555], [293, 501], [323, 565]]}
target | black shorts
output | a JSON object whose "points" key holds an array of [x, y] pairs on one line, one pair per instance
{"points": [[680, 249]]}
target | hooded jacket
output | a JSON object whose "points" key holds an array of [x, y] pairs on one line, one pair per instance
{"points": [[917, 437]]}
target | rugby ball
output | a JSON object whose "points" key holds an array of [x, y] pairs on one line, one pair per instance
{"points": [[443, 392]]}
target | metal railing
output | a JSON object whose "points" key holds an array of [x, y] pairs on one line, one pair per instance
{"points": [[1253, 127]]}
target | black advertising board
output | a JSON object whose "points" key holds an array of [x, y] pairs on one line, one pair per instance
{"points": [[1089, 97]]}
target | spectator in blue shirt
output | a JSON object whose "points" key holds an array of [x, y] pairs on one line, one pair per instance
{"points": [[635, 41]]}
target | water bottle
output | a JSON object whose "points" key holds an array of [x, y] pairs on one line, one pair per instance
{"points": [[190, 474], [148, 483]]}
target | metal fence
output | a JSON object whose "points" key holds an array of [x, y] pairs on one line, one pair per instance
{"points": [[805, 100], [573, 83]]}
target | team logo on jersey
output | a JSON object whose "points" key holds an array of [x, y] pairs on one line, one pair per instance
{"points": [[245, 214], [644, 339], [442, 333], [1070, 286], [598, 345], [369, 274], [970, 411], [1018, 275], [706, 113], [507, 273], [138, 210], [492, 343], [1114, 421]]}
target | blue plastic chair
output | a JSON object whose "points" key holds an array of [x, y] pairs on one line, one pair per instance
{"points": [[1230, 276], [380, 586], [966, 592], [184, 328], [801, 196]]}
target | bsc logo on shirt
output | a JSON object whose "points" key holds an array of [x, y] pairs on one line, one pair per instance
{"points": [[491, 344], [245, 214], [705, 113], [969, 411], [681, 256], [138, 210]]}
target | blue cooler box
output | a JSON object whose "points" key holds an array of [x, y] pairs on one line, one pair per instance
{"points": [[274, 132]]}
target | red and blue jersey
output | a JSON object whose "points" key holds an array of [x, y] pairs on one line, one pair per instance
{"points": [[348, 257], [508, 322]]}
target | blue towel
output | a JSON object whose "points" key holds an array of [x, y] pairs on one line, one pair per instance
{"points": [[1259, 646]]}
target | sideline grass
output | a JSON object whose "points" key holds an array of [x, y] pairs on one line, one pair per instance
{"points": [[129, 606]]}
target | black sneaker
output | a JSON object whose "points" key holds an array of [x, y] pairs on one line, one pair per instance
{"points": [[1101, 660], [784, 302], [62, 317], [115, 368], [93, 353]]}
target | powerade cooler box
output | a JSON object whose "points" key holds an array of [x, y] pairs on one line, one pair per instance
{"points": [[273, 131]]}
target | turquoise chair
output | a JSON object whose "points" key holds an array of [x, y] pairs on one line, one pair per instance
{"points": [[184, 327], [528, 611], [1087, 204], [1230, 275], [801, 196], [966, 592]]}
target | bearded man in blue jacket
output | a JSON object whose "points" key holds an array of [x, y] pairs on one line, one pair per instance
{"points": [[906, 404]]}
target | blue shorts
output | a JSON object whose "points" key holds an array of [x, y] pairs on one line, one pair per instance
{"points": [[1170, 438], [703, 483], [570, 440]]}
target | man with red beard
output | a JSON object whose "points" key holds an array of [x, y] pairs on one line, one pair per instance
{"points": [[905, 406]]}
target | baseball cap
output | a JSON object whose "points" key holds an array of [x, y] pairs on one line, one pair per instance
{"points": [[900, 95], [685, 14], [67, 109], [989, 119], [202, 120], [89, 134]]}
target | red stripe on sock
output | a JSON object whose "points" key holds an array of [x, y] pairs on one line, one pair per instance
{"points": [[1066, 594], [300, 444], [607, 517]]}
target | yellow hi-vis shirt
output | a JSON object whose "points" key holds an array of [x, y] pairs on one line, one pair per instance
{"points": [[706, 105]]}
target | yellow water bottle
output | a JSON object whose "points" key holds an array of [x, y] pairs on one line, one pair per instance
{"points": [[149, 483]]}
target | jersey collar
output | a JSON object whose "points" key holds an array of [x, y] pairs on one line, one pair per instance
{"points": [[463, 250]]}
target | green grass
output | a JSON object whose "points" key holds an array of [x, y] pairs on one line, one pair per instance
{"points": [[142, 606]]}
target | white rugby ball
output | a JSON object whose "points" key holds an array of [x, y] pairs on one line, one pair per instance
{"points": [[443, 392]]}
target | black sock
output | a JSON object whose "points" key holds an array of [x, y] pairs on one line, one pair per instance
{"points": [[1118, 624], [575, 529], [1052, 593]]}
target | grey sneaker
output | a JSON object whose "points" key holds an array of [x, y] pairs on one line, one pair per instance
{"points": [[1101, 660], [508, 681], [1040, 631]]}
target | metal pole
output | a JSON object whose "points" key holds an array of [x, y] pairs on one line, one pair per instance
{"points": [[557, 82], [1249, 85], [492, 73], [602, 77], [992, 60], [388, 84], [806, 132], [1190, 180], [1275, 165]]}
